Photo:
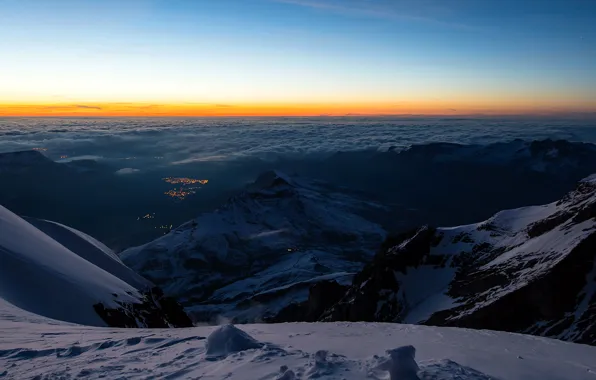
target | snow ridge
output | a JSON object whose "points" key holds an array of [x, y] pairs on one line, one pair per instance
{"points": [[45, 276]]}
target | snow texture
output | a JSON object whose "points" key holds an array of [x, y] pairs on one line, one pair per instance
{"points": [[37, 347], [90, 249], [228, 339], [401, 364]]}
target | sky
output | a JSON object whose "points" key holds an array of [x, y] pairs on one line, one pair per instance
{"points": [[296, 57]]}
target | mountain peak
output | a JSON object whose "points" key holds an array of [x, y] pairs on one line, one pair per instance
{"points": [[269, 180], [267, 244]]}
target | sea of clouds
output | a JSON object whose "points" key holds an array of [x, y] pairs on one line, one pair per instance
{"points": [[175, 141]]}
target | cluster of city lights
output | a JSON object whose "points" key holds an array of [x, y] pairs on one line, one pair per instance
{"points": [[185, 189], [185, 181], [180, 193], [147, 216], [166, 228]]}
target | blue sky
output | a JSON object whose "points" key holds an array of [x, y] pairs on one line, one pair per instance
{"points": [[235, 51]]}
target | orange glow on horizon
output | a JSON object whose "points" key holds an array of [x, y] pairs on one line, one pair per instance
{"points": [[131, 109]]}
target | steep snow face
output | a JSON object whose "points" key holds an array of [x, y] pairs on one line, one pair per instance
{"points": [[91, 250], [262, 249], [527, 270], [40, 275], [32, 347], [64, 274]]}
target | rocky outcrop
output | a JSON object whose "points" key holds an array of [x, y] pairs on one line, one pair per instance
{"points": [[374, 294], [530, 270], [155, 311], [320, 296]]}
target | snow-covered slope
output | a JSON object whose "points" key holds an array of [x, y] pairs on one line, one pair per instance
{"points": [[91, 250], [262, 249], [40, 272], [34, 347], [530, 270]]}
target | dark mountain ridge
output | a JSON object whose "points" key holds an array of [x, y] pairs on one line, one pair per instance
{"points": [[529, 270]]}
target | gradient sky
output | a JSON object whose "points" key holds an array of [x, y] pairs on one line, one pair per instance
{"points": [[296, 57]]}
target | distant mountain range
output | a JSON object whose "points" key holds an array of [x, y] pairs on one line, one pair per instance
{"points": [[449, 184]]}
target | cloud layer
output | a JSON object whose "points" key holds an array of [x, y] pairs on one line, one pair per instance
{"points": [[139, 142], [124, 171]]}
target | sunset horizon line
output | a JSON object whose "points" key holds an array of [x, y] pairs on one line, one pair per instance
{"points": [[133, 110]]}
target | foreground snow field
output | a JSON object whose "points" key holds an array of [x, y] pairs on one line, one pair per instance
{"points": [[40, 348]]}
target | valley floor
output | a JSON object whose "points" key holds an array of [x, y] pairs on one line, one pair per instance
{"points": [[36, 347]]}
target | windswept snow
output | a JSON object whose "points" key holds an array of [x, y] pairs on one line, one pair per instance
{"points": [[33, 347], [90, 249], [40, 275]]}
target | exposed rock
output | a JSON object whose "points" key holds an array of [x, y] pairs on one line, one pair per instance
{"points": [[373, 296], [156, 311], [320, 296], [530, 270]]}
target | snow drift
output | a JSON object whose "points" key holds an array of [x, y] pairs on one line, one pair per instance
{"points": [[227, 340]]}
